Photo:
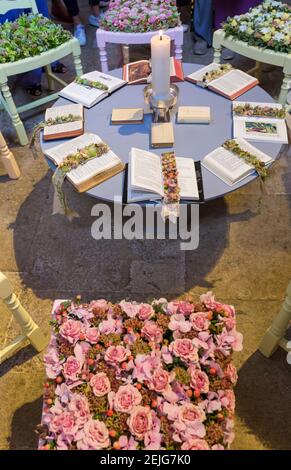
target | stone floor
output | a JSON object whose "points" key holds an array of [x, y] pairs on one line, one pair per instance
{"points": [[244, 256]]}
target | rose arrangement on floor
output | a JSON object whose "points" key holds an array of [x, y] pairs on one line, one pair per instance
{"points": [[140, 376], [268, 25], [140, 16], [28, 36]]}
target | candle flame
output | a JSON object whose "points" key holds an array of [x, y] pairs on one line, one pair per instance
{"points": [[161, 34]]}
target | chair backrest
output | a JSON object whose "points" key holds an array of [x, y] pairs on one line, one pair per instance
{"points": [[7, 5]]}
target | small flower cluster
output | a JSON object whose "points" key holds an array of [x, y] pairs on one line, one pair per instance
{"points": [[28, 36], [140, 376], [140, 16], [53, 122], [268, 26], [248, 109], [91, 83], [170, 178], [213, 74], [252, 160], [82, 156]]}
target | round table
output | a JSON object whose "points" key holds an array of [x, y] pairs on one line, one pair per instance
{"points": [[191, 140]]}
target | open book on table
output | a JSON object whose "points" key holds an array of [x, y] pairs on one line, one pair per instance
{"points": [[231, 168], [145, 178], [88, 96], [262, 128], [231, 84], [95, 170], [140, 71], [64, 129]]}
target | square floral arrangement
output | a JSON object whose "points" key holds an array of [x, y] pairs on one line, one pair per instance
{"points": [[140, 376], [267, 25], [140, 16], [28, 36]]}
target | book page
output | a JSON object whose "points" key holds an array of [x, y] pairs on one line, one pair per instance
{"points": [[146, 171], [58, 111], [137, 71], [89, 169], [197, 76], [226, 165], [232, 82], [82, 94], [112, 82], [260, 129], [187, 178]]}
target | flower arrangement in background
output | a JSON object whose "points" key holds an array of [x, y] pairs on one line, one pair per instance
{"points": [[268, 25], [140, 376], [140, 16], [28, 36]]}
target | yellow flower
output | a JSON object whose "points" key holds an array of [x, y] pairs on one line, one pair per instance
{"points": [[285, 16], [266, 37], [287, 40], [233, 23], [250, 31]]}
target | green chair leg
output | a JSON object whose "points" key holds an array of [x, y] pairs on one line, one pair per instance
{"points": [[50, 81], [77, 60], [17, 123], [284, 88]]}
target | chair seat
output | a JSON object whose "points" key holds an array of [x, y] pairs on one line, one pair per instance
{"points": [[30, 63]]}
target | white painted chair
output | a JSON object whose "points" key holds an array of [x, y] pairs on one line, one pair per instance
{"points": [[30, 330], [31, 63], [125, 39], [8, 160], [258, 54], [275, 335]]}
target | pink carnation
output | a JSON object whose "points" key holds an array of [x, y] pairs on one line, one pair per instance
{"points": [[152, 332], [70, 330], [126, 398], [140, 421], [100, 384]]}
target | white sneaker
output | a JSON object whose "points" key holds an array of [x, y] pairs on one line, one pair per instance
{"points": [[80, 34]]}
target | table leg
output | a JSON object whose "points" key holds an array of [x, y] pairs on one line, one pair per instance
{"points": [[103, 58], [125, 53], [8, 159], [17, 123], [217, 49], [284, 88]]}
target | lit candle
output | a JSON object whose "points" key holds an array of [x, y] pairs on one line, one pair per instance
{"points": [[160, 59]]}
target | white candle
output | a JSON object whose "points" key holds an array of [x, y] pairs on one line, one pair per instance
{"points": [[160, 58]]}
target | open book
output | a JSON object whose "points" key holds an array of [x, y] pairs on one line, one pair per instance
{"points": [[64, 129], [89, 96], [145, 181], [93, 172], [140, 71], [262, 128], [231, 84], [231, 168]]}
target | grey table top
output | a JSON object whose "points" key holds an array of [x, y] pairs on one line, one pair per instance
{"points": [[191, 140]]}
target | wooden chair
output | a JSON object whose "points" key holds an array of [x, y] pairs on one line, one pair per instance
{"points": [[258, 54], [125, 39], [8, 159], [275, 335], [29, 328], [31, 63]]}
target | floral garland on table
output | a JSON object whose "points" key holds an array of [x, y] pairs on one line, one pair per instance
{"points": [[259, 111], [91, 83], [71, 162], [134, 376], [268, 26], [171, 187], [252, 160], [53, 122], [28, 36], [213, 74], [140, 16]]}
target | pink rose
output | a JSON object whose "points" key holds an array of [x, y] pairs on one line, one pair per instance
{"points": [[178, 323], [107, 327], [195, 444], [100, 384], [94, 436], [72, 369], [188, 413], [152, 332], [145, 312], [129, 308], [199, 380], [140, 421], [70, 330], [66, 423], [99, 304], [227, 398], [200, 321], [231, 373], [92, 335], [160, 380], [115, 354], [79, 406], [126, 398], [185, 308], [185, 349]]}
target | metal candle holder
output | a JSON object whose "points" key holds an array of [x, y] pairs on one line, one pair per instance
{"points": [[161, 108]]}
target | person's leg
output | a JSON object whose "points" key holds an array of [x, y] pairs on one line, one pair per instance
{"points": [[203, 23], [79, 30], [94, 18]]}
